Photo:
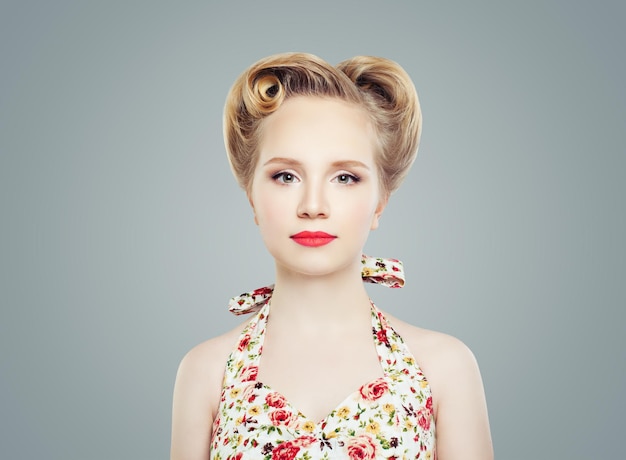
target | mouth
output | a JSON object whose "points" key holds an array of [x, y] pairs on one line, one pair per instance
{"points": [[313, 239]]}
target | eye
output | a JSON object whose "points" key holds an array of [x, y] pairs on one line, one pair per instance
{"points": [[346, 179], [285, 178]]}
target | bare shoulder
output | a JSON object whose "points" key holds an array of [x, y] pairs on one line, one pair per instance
{"points": [[205, 358], [197, 393], [433, 350], [458, 395], [203, 366]]}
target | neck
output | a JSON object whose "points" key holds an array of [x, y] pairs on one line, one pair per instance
{"points": [[336, 299]]}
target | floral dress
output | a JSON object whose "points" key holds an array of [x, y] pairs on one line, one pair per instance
{"points": [[388, 418]]}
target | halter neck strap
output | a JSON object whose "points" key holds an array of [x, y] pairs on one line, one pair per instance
{"points": [[377, 270]]}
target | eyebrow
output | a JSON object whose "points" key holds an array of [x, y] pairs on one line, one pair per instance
{"points": [[335, 164]]}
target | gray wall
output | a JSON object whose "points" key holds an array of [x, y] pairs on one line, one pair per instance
{"points": [[124, 234]]}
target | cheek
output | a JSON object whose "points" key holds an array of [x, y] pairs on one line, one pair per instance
{"points": [[269, 208], [268, 218], [358, 214]]}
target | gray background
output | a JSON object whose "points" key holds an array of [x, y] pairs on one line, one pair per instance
{"points": [[124, 234]]}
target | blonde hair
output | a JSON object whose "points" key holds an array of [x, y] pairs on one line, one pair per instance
{"points": [[378, 85]]}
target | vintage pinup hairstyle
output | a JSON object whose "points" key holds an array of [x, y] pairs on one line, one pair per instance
{"points": [[380, 86]]}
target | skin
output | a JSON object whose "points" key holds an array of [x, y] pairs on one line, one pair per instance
{"points": [[313, 150]]}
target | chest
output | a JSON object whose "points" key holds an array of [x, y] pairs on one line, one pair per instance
{"points": [[385, 418], [363, 398], [316, 377]]}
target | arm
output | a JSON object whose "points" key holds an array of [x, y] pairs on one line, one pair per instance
{"points": [[462, 422], [192, 407]]}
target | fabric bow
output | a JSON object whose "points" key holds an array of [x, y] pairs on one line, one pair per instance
{"points": [[377, 270]]}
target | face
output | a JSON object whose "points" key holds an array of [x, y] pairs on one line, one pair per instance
{"points": [[315, 191]]}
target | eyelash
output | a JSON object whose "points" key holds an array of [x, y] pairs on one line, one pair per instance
{"points": [[353, 179], [280, 178]]}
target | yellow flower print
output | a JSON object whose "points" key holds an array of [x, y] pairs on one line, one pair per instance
{"points": [[365, 271], [308, 426], [373, 428], [390, 416]]}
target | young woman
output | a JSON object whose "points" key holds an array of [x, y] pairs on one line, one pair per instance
{"points": [[319, 371]]}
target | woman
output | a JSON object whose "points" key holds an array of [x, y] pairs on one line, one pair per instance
{"points": [[318, 150]]}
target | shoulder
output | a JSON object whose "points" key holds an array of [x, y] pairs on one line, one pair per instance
{"points": [[204, 364], [197, 392], [458, 395], [439, 355], [203, 355]]}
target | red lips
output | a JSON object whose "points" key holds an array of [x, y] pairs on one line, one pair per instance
{"points": [[313, 239]]}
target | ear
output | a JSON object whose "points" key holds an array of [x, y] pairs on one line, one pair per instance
{"points": [[379, 211], [256, 221]]}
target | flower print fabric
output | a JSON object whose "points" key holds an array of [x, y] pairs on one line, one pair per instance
{"points": [[388, 418], [377, 270]]}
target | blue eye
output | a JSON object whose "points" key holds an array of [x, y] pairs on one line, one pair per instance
{"points": [[285, 178], [347, 179]]}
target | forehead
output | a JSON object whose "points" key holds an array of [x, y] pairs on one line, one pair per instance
{"points": [[308, 125]]}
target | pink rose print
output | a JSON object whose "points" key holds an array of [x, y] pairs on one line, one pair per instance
{"points": [[423, 418], [262, 291], [304, 441], [247, 392], [275, 400], [374, 390], [249, 373], [381, 335], [361, 448], [254, 420], [283, 417], [244, 342], [285, 451]]}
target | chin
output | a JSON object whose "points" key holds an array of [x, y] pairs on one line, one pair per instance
{"points": [[317, 265]]}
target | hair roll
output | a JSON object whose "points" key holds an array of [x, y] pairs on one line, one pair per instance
{"points": [[380, 86]]}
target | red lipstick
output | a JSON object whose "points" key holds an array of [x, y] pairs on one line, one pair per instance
{"points": [[312, 239]]}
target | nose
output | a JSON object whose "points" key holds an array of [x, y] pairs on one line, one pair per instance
{"points": [[313, 202]]}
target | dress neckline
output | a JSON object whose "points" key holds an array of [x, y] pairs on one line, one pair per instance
{"points": [[385, 350]]}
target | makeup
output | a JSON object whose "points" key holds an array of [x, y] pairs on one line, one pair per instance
{"points": [[313, 239]]}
